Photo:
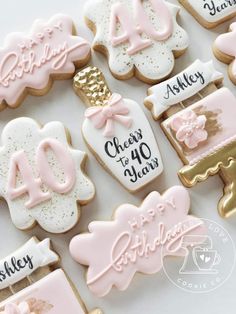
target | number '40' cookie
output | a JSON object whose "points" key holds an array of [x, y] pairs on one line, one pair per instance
{"points": [[41, 176], [118, 132], [139, 37]]}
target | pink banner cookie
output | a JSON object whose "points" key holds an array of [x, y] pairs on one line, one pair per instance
{"points": [[29, 62], [136, 240]]}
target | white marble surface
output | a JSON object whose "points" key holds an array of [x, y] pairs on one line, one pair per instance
{"points": [[147, 294]]}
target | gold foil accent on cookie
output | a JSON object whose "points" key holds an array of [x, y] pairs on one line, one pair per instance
{"points": [[222, 161], [91, 86]]}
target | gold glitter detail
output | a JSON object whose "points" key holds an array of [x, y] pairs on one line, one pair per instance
{"points": [[91, 83]]}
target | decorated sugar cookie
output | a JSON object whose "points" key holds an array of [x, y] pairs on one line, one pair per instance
{"points": [[200, 124], [41, 176], [137, 240], [140, 38], [30, 61], [118, 132], [225, 49], [210, 13], [28, 284], [184, 85]]}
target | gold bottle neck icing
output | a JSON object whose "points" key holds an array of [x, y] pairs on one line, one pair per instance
{"points": [[91, 86]]}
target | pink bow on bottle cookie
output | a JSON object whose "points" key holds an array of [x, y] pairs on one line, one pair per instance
{"points": [[21, 308], [190, 128], [105, 116]]}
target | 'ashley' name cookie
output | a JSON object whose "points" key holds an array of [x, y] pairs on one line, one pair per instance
{"points": [[225, 50], [140, 38], [210, 13], [201, 127], [118, 132], [29, 62], [29, 286], [137, 240], [41, 176]]}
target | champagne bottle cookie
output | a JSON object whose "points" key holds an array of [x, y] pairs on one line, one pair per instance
{"points": [[225, 50], [200, 124], [137, 240], [41, 176], [31, 284], [30, 62], [210, 13], [118, 132], [139, 38]]}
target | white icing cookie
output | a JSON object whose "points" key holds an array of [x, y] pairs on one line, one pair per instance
{"points": [[210, 13], [181, 86], [41, 176], [118, 132], [139, 37], [132, 154]]}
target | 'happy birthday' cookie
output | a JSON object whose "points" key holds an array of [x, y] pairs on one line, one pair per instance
{"points": [[140, 38], [118, 132], [137, 240], [31, 61], [41, 176]]}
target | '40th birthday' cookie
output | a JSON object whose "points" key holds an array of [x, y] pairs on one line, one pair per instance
{"points": [[30, 61], [140, 38], [41, 176], [210, 13], [118, 132]]}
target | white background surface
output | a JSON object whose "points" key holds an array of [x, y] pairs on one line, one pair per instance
{"points": [[147, 294]]}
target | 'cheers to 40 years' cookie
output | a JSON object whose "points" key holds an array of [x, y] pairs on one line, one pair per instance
{"points": [[137, 240], [41, 176], [210, 13], [199, 121], [118, 132], [30, 285], [139, 37], [225, 50], [29, 62]]}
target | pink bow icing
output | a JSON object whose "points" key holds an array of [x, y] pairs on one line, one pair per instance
{"points": [[21, 308], [190, 128], [105, 116]]}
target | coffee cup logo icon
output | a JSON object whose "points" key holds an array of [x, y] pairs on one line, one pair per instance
{"points": [[199, 259], [206, 259]]}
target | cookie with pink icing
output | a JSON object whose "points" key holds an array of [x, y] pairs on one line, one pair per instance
{"points": [[197, 115], [41, 176], [210, 13], [225, 50], [137, 240], [29, 62], [30, 285], [140, 38]]}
